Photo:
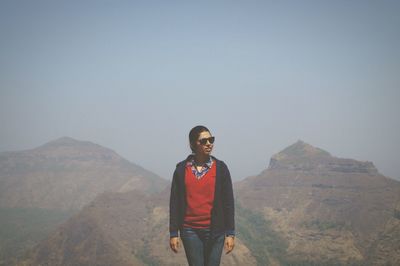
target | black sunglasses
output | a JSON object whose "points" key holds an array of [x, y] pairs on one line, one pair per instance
{"points": [[204, 141]]}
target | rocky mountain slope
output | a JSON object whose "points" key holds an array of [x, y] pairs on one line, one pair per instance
{"points": [[328, 209], [67, 174], [41, 188]]}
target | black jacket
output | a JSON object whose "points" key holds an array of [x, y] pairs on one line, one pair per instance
{"points": [[223, 211]]}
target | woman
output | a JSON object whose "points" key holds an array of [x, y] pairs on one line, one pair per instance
{"points": [[201, 203]]}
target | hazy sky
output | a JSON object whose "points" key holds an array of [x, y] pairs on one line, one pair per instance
{"points": [[136, 76]]}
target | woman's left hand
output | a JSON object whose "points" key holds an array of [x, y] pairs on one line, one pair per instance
{"points": [[229, 244]]}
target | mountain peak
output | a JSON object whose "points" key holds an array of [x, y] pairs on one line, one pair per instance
{"points": [[301, 149], [302, 156], [71, 143], [66, 141], [67, 146]]}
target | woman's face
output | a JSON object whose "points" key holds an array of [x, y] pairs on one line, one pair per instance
{"points": [[204, 149]]}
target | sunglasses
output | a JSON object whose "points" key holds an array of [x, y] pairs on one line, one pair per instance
{"points": [[204, 141]]}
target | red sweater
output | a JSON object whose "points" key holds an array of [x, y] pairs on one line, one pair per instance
{"points": [[199, 198]]}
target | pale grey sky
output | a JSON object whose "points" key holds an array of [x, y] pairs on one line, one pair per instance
{"points": [[137, 76]]}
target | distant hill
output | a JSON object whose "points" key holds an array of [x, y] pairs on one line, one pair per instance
{"points": [[41, 188], [307, 208], [67, 174], [329, 210]]}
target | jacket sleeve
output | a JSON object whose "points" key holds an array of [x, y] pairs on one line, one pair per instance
{"points": [[173, 206], [229, 205]]}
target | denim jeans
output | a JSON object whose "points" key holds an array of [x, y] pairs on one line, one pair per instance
{"points": [[201, 248]]}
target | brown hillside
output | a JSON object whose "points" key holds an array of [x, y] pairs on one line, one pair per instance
{"points": [[67, 174], [329, 209]]}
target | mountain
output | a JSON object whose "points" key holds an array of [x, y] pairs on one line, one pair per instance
{"points": [[328, 210], [307, 208], [43, 187], [67, 174], [303, 157]]}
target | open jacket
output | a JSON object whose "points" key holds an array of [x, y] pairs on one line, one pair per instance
{"points": [[223, 211]]}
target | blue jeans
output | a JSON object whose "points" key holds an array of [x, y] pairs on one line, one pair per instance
{"points": [[201, 248]]}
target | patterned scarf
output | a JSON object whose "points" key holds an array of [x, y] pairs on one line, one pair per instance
{"points": [[205, 168]]}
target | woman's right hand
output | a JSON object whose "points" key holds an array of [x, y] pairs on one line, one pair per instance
{"points": [[174, 244]]}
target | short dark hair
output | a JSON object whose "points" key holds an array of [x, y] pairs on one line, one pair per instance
{"points": [[194, 135]]}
